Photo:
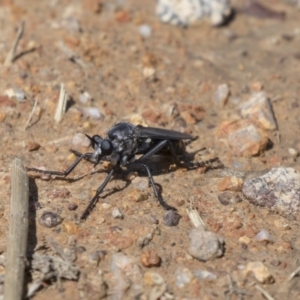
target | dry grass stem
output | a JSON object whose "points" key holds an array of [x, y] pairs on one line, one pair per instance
{"points": [[12, 53], [264, 292], [195, 217], [31, 114], [61, 105]]}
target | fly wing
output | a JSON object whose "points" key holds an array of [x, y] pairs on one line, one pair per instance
{"points": [[161, 134]]}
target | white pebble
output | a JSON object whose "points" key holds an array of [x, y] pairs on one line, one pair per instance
{"points": [[117, 214], [85, 97], [293, 152], [222, 94], [203, 274], [183, 276], [92, 112], [145, 30], [80, 140], [263, 235], [17, 93]]}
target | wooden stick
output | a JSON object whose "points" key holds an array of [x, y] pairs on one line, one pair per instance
{"points": [[18, 233]]}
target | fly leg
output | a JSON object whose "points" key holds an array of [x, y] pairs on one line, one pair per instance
{"points": [[95, 198], [68, 171], [160, 199]]}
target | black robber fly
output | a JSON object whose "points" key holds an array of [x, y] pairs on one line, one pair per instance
{"points": [[123, 142]]}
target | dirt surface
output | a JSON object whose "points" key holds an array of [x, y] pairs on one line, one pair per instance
{"points": [[99, 50]]}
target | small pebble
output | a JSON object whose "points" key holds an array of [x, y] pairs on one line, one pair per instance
{"points": [[183, 276], [150, 258], [263, 235], [293, 152], [140, 183], [205, 245], [92, 112], [232, 183], [259, 109], [50, 219], [145, 30], [260, 272], [222, 94], [72, 206], [16, 93], [244, 240], [33, 146], [136, 195], [226, 198], [145, 240], [153, 278], [244, 137], [117, 214], [203, 274], [81, 140], [85, 97], [171, 218]]}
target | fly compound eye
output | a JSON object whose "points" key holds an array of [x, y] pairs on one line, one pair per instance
{"points": [[106, 147]]}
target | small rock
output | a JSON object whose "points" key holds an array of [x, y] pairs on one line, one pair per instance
{"points": [[85, 97], [148, 72], [260, 272], [243, 137], [183, 276], [70, 227], [50, 219], [279, 190], [293, 152], [263, 235], [259, 109], [171, 218], [205, 245], [145, 240], [257, 86], [150, 258], [140, 183], [33, 146], [282, 224], [81, 140], [188, 118], [226, 198], [72, 206], [136, 195], [59, 193], [186, 12], [222, 94], [153, 278], [16, 93], [122, 242], [117, 214], [244, 240], [230, 184], [145, 30], [203, 274], [92, 112]]}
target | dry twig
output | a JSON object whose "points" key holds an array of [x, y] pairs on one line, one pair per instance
{"points": [[295, 273], [264, 292], [31, 114], [61, 105], [18, 231], [195, 217], [12, 53]]}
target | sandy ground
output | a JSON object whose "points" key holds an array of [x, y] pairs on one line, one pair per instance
{"points": [[101, 52]]}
